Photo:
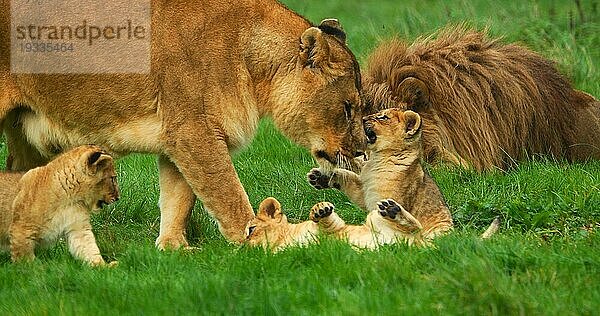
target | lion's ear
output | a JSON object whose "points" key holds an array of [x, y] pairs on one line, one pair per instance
{"points": [[270, 209], [98, 160], [314, 50], [412, 123], [334, 28], [411, 90]]}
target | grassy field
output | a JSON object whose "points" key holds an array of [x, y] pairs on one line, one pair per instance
{"points": [[545, 260]]}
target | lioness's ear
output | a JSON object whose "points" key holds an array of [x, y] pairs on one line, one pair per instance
{"points": [[413, 122], [333, 27], [269, 209], [98, 160], [314, 50]]}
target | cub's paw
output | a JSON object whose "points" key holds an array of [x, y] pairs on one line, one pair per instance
{"points": [[391, 210], [388, 208], [318, 179], [320, 211]]}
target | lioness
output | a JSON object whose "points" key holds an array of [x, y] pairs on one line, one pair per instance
{"points": [[392, 173], [217, 68], [45, 203]]}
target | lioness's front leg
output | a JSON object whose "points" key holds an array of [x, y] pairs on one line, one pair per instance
{"points": [[341, 179], [82, 244], [176, 203], [201, 155]]}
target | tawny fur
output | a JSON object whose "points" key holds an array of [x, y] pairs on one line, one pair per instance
{"points": [[55, 200], [392, 176], [270, 228], [485, 104], [217, 68], [393, 171]]}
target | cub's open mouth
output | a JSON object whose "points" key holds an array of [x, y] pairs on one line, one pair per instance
{"points": [[371, 136]]}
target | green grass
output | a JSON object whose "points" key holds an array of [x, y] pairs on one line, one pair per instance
{"points": [[545, 260]]}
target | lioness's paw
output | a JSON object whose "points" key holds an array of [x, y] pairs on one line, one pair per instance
{"points": [[388, 208], [317, 179], [321, 210]]}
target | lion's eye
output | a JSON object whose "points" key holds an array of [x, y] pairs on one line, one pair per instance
{"points": [[382, 117], [251, 230], [348, 110]]}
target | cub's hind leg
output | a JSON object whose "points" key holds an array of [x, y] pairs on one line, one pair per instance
{"points": [[391, 210], [23, 239]]}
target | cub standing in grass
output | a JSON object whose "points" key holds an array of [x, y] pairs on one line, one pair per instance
{"points": [[39, 206], [392, 173]]}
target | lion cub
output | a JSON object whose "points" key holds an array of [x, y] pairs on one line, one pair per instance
{"points": [[45, 203], [271, 229], [404, 201]]}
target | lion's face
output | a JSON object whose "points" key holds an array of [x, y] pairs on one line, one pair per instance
{"points": [[392, 129], [270, 226], [335, 128], [106, 186], [323, 103], [98, 177]]}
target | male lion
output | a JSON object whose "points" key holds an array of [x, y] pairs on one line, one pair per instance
{"points": [[392, 173], [484, 104], [217, 67], [41, 205]]}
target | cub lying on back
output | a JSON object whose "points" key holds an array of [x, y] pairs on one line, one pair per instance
{"points": [[403, 200], [45, 203], [392, 173]]}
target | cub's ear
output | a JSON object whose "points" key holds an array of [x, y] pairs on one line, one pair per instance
{"points": [[409, 89], [314, 50], [413, 123], [98, 160], [270, 209], [333, 27]]}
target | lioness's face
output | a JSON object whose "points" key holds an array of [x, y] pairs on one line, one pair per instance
{"points": [[325, 109], [335, 131], [269, 227], [392, 129]]}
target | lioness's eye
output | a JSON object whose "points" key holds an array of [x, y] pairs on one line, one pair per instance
{"points": [[382, 117], [348, 109]]}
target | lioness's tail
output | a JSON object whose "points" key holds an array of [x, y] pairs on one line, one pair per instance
{"points": [[494, 226]]}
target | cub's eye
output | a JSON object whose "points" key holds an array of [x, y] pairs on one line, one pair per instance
{"points": [[382, 117], [251, 230], [348, 110]]}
